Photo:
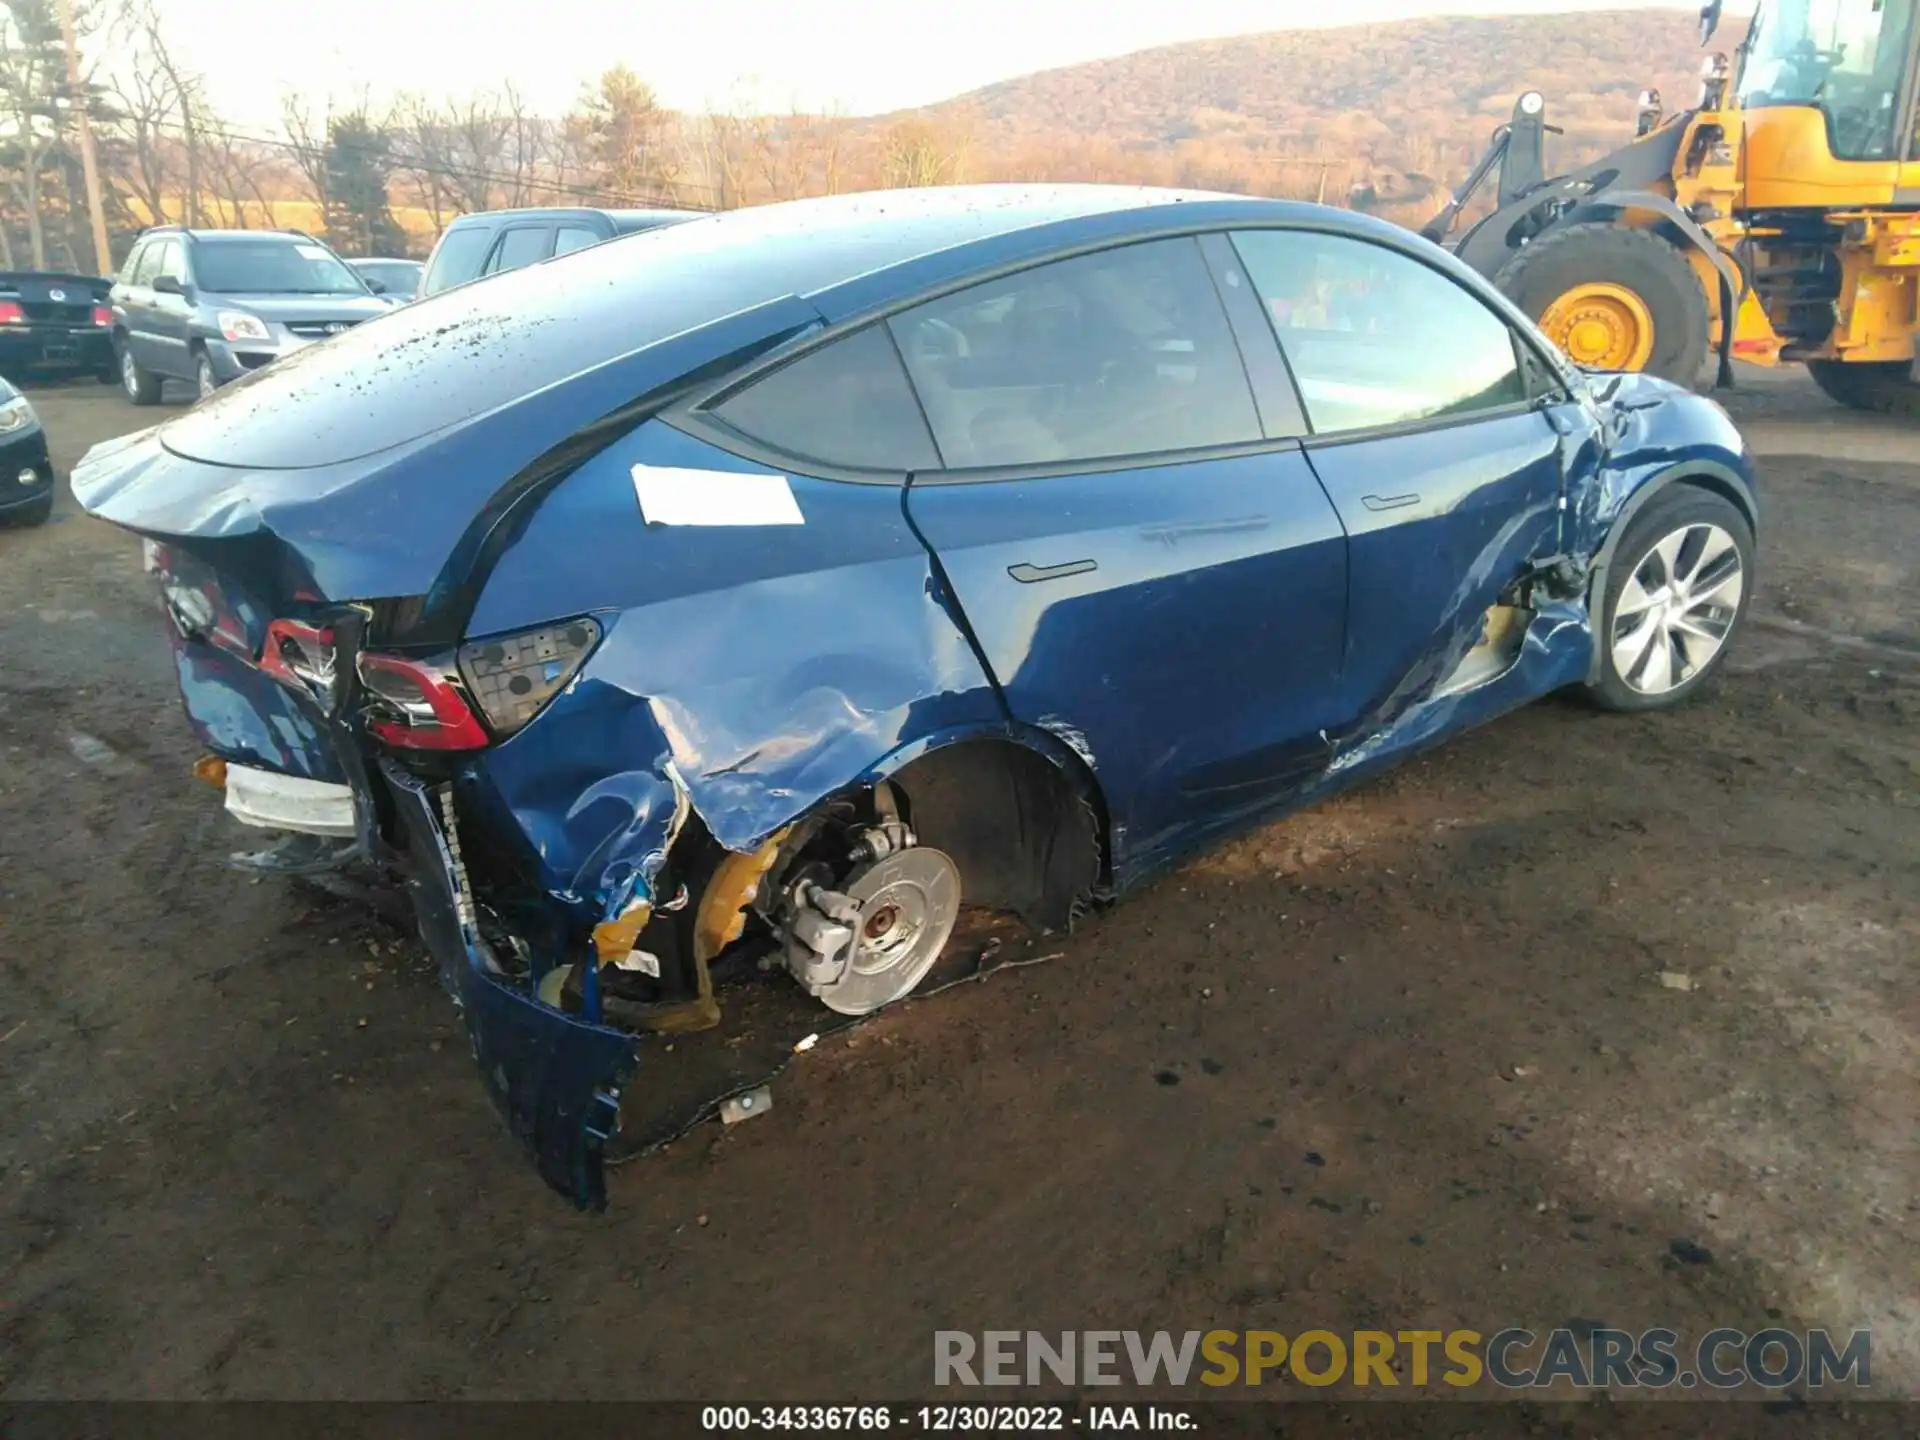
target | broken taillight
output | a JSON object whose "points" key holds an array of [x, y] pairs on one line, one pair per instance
{"points": [[512, 677], [301, 656], [194, 600], [412, 705]]}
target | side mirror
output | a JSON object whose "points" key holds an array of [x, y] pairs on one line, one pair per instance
{"points": [[1709, 20], [378, 287], [168, 285]]}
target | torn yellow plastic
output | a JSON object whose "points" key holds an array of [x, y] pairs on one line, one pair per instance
{"points": [[212, 769], [613, 940]]}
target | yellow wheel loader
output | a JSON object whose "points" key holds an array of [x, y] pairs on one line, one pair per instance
{"points": [[1789, 199]]}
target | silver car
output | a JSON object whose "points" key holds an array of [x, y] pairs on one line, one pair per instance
{"points": [[208, 306]]}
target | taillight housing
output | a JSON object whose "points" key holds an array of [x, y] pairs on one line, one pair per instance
{"points": [[413, 705], [103, 315], [512, 677], [301, 656], [195, 601], [11, 313]]}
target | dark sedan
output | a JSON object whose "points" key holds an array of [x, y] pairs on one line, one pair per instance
{"points": [[773, 584], [26, 472]]}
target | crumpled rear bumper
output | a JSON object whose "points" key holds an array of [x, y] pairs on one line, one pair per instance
{"points": [[555, 1078]]}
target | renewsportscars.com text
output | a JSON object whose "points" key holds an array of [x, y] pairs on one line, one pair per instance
{"points": [[1512, 1359]]}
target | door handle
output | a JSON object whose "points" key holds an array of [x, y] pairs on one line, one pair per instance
{"points": [[1027, 574], [1389, 502]]}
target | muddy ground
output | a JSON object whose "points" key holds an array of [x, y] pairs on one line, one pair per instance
{"points": [[1400, 1061]]}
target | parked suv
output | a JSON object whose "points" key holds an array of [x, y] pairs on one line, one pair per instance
{"points": [[207, 306], [497, 240]]}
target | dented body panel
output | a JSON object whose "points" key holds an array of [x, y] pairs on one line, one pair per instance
{"points": [[1172, 648]]}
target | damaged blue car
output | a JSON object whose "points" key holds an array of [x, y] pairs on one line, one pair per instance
{"points": [[780, 583]]}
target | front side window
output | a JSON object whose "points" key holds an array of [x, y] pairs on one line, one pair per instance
{"points": [[1376, 338], [520, 247], [273, 267], [1123, 352], [170, 261], [846, 405]]}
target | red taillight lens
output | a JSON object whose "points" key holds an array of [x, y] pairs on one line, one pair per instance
{"points": [[102, 315], [300, 656], [11, 313], [415, 707]]}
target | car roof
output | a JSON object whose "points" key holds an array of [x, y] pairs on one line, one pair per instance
{"points": [[221, 237], [475, 348]]}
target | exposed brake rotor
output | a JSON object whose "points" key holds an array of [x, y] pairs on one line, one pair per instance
{"points": [[866, 945]]}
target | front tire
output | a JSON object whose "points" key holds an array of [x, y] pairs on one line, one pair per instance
{"points": [[205, 382], [139, 384], [1883, 387], [1676, 592], [1613, 298]]}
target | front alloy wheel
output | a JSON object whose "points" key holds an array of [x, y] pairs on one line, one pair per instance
{"points": [[1676, 592]]}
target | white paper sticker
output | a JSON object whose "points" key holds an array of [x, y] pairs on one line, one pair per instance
{"points": [[310, 252], [670, 495]]}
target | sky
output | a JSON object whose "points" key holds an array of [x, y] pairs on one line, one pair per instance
{"points": [[853, 56]]}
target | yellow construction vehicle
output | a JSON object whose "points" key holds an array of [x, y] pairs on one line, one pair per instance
{"points": [[1788, 198]]}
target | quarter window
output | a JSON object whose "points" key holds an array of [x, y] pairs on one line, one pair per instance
{"points": [[574, 237], [846, 405], [1124, 352], [1376, 338]]}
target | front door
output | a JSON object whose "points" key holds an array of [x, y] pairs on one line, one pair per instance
{"points": [[1149, 576], [1428, 437]]}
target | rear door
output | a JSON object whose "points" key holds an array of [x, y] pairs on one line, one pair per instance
{"points": [[1438, 453], [1152, 572], [134, 299]]}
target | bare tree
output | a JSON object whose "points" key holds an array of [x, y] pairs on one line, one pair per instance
{"points": [[919, 151]]}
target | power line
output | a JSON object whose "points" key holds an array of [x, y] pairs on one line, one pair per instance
{"points": [[420, 166]]}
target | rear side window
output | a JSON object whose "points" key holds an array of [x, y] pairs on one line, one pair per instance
{"points": [[1124, 352], [846, 404], [574, 237], [521, 246], [1376, 338], [141, 263], [456, 259]]}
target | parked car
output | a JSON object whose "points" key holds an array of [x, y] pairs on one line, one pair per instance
{"points": [[397, 281], [26, 472], [208, 306], [493, 241], [52, 322], [770, 585]]}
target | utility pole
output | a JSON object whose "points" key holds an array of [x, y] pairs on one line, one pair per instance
{"points": [[89, 162]]}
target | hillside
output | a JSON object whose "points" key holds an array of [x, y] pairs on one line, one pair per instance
{"points": [[1390, 106]]}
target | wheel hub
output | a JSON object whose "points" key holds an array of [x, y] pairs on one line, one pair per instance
{"points": [[1601, 325], [869, 944]]}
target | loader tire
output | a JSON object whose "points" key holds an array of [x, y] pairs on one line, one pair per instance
{"points": [[1884, 387], [1627, 278]]}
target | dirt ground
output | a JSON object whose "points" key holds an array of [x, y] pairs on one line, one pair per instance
{"points": [[1404, 1060]]}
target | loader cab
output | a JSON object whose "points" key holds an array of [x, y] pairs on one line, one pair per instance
{"points": [[1829, 89]]}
